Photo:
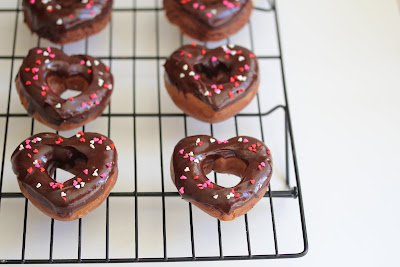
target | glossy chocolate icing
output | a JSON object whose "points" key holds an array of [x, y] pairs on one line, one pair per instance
{"points": [[218, 77], [195, 156], [90, 156], [43, 63], [212, 13], [52, 18]]}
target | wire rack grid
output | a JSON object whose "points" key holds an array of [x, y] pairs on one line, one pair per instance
{"points": [[143, 219]]}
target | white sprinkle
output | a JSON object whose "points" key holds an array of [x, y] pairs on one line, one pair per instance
{"points": [[182, 75], [231, 46], [212, 140], [82, 184], [108, 148], [45, 2], [240, 139], [224, 47], [186, 169], [58, 7], [213, 11], [191, 73], [92, 146], [91, 141], [35, 162], [21, 147], [185, 67], [84, 1], [63, 194], [101, 73], [58, 105], [49, 7], [215, 196], [39, 139], [77, 186], [96, 62], [38, 185], [59, 21], [95, 172], [230, 195], [47, 61], [191, 153], [100, 82], [45, 53], [88, 63], [78, 135], [241, 58], [233, 52], [197, 141], [196, 161], [217, 91], [206, 93]]}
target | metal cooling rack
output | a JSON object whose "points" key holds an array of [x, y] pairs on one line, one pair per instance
{"points": [[291, 192]]}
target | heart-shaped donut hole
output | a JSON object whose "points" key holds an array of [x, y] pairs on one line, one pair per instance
{"points": [[231, 170], [67, 86], [67, 161], [213, 72]]}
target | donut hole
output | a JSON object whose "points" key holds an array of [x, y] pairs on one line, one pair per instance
{"points": [[230, 170], [215, 72], [68, 86], [67, 163]]}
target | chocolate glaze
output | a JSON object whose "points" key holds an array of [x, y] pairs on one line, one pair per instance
{"points": [[211, 13], [42, 63], [52, 18], [36, 158], [218, 77], [254, 176]]}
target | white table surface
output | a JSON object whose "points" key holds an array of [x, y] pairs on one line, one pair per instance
{"points": [[342, 63]]}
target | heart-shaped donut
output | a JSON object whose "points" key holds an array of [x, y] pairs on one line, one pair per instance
{"points": [[65, 21], [91, 157], [47, 72], [196, 156], [211, 84], [208, 20]]}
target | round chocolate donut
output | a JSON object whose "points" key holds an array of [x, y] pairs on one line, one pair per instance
{"points": [[91, 157], [196, 156], [211, 85], [209, 20], [65, 21], [47, 72]]}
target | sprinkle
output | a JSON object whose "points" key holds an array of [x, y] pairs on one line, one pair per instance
{"points": [[108, 165], [212, 140], [58, 105], [213, 59], [181, 190], [93, 96], [95, 172], [183, 177], [269, 152], [240, 139], [21, 147], [230, 195], [252, 181], [38, 185], [88, 63], [59, 21], [181, 151], [96, 62], [30, 170], [100, 82], [85, 171], [215, 196], [182, 75], [262, 164], [63, 194], [191, 73], [103, 175], [237, 195], [191, 158], [92, 146], [196, 161], [196, 177], [245, 140], [230, 94], [186, 169], [35, 151], [185, 67], [251, 56], [191, 153]]}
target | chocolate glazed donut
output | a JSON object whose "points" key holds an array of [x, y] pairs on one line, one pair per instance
{"points": [[209, 20], [212, 85], [196, 156], [47, 72], [65, 21], [91, 157]]}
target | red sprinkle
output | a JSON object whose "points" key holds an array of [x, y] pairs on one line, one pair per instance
{"points": [[252, 181], [29, 170]]}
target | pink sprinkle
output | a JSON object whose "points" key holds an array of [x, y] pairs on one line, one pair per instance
{"points": [[191, 158], [245, 140], [39, 51], [37, 165], [208, 14], [36, 77], [74, 183], [32, 2], [202, 7], [85, 171], [227, 51], [52, 55], [246, 67], [183, 177], [28, 147], [49, 49], [225, 141], [213, 59], [182, 190], [83, 104], [195, 5], [196, 77], [51, 184], [100, 142], [108, 165], [186, 156], [96, 139], [93, 96], [181, 151], [82, 62], [27, 141], [102, 175], [96, 102], [263, 164], [219, 142], [214, 86]]}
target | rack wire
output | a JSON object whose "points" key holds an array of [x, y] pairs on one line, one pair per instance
{"points": [[291, 191]]}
